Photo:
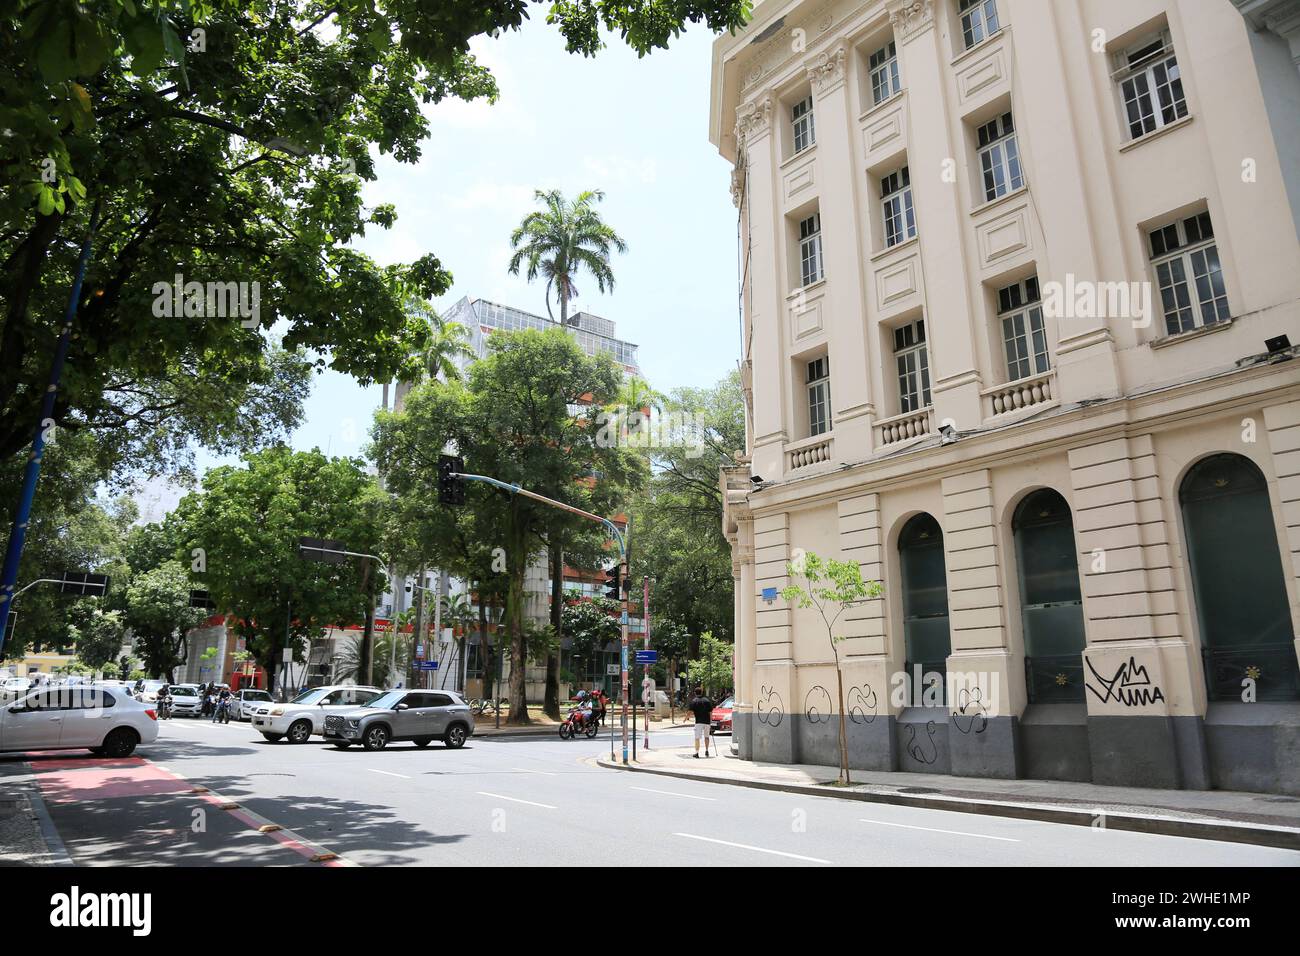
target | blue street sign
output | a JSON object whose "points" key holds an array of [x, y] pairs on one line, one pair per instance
{"points": [[647, 657], [622, 654], [426, 665], [769, 594]]}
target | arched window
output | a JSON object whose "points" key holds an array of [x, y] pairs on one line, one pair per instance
{"points": [[925, 601], [1051, 610], [1236, 568]]}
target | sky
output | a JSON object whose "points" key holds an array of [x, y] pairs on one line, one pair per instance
{"points": [[636, 129]]}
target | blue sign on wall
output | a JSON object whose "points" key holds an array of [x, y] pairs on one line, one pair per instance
{"points": [[647, 657]]}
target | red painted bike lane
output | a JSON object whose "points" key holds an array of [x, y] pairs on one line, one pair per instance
{"points": [[133, 812]]}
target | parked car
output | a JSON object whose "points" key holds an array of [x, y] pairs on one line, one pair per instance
{"points": [[187, 700], [420, 716], [720, 718], [247, 701], [105, 720], [14, 687], [305, 714]]}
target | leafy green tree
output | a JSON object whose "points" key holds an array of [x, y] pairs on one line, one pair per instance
{"points": [[512, 420], [97, 634], [159, 614], [830, 587], [713, 669], [245, 525], [229, 141], [678, 522], [559, 240], [589, 625]]}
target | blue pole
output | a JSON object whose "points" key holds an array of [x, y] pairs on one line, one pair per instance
{"points": [[18, 536]]}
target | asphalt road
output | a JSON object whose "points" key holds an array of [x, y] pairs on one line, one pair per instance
{"points": [[509, 802]]}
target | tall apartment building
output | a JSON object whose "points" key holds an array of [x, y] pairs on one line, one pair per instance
{"points": [[1021, 293]]}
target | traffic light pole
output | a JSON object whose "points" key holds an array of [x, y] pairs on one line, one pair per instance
{"points": [[619, 538]]}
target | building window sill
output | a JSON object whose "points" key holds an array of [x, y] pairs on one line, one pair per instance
{"points": [[882, 106], [1167, 340], [978, 47], [811, 288], [795, 158], [1004, 198], [896, 247], [1156, 133]]}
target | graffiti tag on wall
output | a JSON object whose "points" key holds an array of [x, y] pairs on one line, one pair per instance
{"points": [[1130, 685]]}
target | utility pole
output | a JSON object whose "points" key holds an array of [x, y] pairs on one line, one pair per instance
{"points": [[437, 618], [627, 590], [417, 633]]}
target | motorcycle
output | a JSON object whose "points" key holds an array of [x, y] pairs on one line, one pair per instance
{"points": [[164, 708], [222, 715], [579, 722]]}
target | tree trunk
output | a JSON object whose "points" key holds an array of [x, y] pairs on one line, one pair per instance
{"points": [[515, 628], [484, 652], [844, 732], [551, 703], [367, 662]]}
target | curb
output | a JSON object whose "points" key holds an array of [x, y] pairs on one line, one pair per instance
{"points": [[1285, 838]]}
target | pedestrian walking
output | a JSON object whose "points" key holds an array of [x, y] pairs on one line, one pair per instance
{"points": [[702, 708]]}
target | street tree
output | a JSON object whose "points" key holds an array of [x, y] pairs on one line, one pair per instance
{"points": [[96, 633], [712, 669], [590, 626], [245, 524], [159, 614], [514, 420], [830, 587]]}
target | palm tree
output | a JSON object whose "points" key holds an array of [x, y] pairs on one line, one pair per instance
{"points": [[562, 238], [448, 342]]}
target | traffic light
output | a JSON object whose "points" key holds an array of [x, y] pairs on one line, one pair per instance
{"points": [[612, 589], [451, 487]]}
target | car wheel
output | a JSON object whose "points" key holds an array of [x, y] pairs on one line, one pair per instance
{"points": [[343, 744], [121, 742], [422, 741], [273, 738], [455, 736], [377, 737], [300, 732]]}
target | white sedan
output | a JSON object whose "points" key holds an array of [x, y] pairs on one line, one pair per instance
{"points": [[305, 714], [104, 720], [247, 702]]}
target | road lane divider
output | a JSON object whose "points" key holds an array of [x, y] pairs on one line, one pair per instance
{"points": [[756, 849], [909, 826], [499, 796]]}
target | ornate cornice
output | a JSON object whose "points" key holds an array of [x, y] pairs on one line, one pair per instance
{"points": [[910, 17], [826, 70]]}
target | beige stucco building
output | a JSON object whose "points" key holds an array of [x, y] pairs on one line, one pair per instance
{"points": [[1021, 295]]}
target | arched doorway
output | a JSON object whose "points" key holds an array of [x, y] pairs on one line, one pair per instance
{"points": [[1236, 570], [1051, 609], [925, 602]]}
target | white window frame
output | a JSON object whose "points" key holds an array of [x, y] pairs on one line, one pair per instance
{"points": [[810, 250], [1024, 334], [979, 21], [897, 215], [1138, 73], [912, 365], [817, 378], [882, 64], [803, 133], [1001, 169], [1185, 260]]}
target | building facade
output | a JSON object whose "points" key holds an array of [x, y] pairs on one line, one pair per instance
{"points": [[1021, 294]]}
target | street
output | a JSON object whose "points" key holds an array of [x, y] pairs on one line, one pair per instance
{"points": [[509, 802]]}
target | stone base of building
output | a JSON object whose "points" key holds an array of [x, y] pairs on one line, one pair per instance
{"points": [[1250, 747]]}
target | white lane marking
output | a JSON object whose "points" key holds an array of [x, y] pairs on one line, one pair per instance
{"points": [[389, 773], [756, 849], [497, 796], [906, 826], [670, 793], [546, 773]]}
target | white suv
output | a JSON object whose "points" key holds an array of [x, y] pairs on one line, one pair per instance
{"points": [[305, 714]]}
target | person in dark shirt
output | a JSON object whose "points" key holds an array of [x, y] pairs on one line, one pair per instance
{"points": [[702, 708]]}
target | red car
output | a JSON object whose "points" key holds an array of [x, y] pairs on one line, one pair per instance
{"points": [[721, 716]]}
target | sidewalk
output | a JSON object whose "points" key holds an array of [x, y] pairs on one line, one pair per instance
{"points": [[1257, 818]]}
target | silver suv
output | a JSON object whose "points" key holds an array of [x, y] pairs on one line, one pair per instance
{"points": [[420, 716]]}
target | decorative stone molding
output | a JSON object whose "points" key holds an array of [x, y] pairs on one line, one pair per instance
{"points": [[826, 70], [753, 119], [910, 17], [737, 185]]}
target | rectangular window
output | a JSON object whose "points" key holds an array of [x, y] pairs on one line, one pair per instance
{"points": [[1188, 274], [819, 396], [979, 19], [896, 206], [883, 66], [999, 157], [801, 124], [1150, 86], [810, 249], [913, 366], [1023, 334]]}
